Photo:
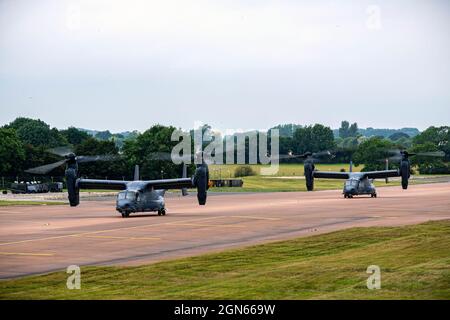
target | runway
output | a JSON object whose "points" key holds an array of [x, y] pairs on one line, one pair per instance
{"points": [[40, 239]]}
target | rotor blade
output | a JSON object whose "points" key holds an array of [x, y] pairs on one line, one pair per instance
{"points": [[60, 151], [46, 168], [166, 156], [105, 157], [398, 154], [429, 154], [393, 158], [394, 152], [322, 154], [286, 156]]}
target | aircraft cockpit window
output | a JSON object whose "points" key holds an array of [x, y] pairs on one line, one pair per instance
{"points": [[121, 195], [351, 183], [131, 195]]}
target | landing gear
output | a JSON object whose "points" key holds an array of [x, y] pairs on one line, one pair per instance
{"points": [[162, 212], [125, 214], [348, 195], [373, 195]]}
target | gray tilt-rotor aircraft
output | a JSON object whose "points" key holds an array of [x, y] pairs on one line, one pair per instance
{"points": [[357, 183], [134, 196]]}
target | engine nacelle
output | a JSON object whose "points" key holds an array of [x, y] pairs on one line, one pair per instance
{"points": [[72, 186], [309, 175], [201, 179], [405, 172]]}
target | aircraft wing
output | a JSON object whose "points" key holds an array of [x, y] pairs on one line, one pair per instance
{"points": [[381, 174], [331, 175], [102, 184], [178, 183]]}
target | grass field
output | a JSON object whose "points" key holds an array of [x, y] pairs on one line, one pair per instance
{"points": [[274, 183], [225, 171], [414, 262], [4, 203]]}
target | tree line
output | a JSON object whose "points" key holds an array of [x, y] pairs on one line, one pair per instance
{"points": [[24, 143]]}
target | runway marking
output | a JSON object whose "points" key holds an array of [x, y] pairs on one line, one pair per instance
{"points": [[256, 218], [207, 225], [107, 230], [124, 238], [26, 254], [7, 211]]}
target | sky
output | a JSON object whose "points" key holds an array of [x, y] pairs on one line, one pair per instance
{"points": [[237, 65]]}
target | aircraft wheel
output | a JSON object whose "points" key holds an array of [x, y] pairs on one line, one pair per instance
{"points": [[163, 211], [125, 214]]}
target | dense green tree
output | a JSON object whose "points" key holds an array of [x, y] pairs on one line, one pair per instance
{"points": [[287, 130], [431, 140], [75, 136], [343, 130], [313, 139], [426, 164], [142, 151], [439, 136], [103, 135], [12, 152], [353, 130], [370, 132], [403, 143], [38, 156], [286, 145], [346, 130], [350, 143], [115, 169], [372, 152], [37, 133], [93, 146], [398, 135], [345, 148]]}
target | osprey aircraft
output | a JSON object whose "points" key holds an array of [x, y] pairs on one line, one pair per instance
{"points": [[359, 183], [134, 196]]}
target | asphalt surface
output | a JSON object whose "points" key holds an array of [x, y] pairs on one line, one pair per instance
{"points": [[39, 239]]}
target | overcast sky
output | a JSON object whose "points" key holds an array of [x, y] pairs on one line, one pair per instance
{"points": [[125, 65]]}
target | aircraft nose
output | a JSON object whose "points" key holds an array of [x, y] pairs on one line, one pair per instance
{"points": [[123, 204], [350, 190]]}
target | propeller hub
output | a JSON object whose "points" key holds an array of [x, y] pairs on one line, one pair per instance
{"points": [[70, 156]]}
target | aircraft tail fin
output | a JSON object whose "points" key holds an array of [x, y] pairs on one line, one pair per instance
{"points": [[136, 173]]}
